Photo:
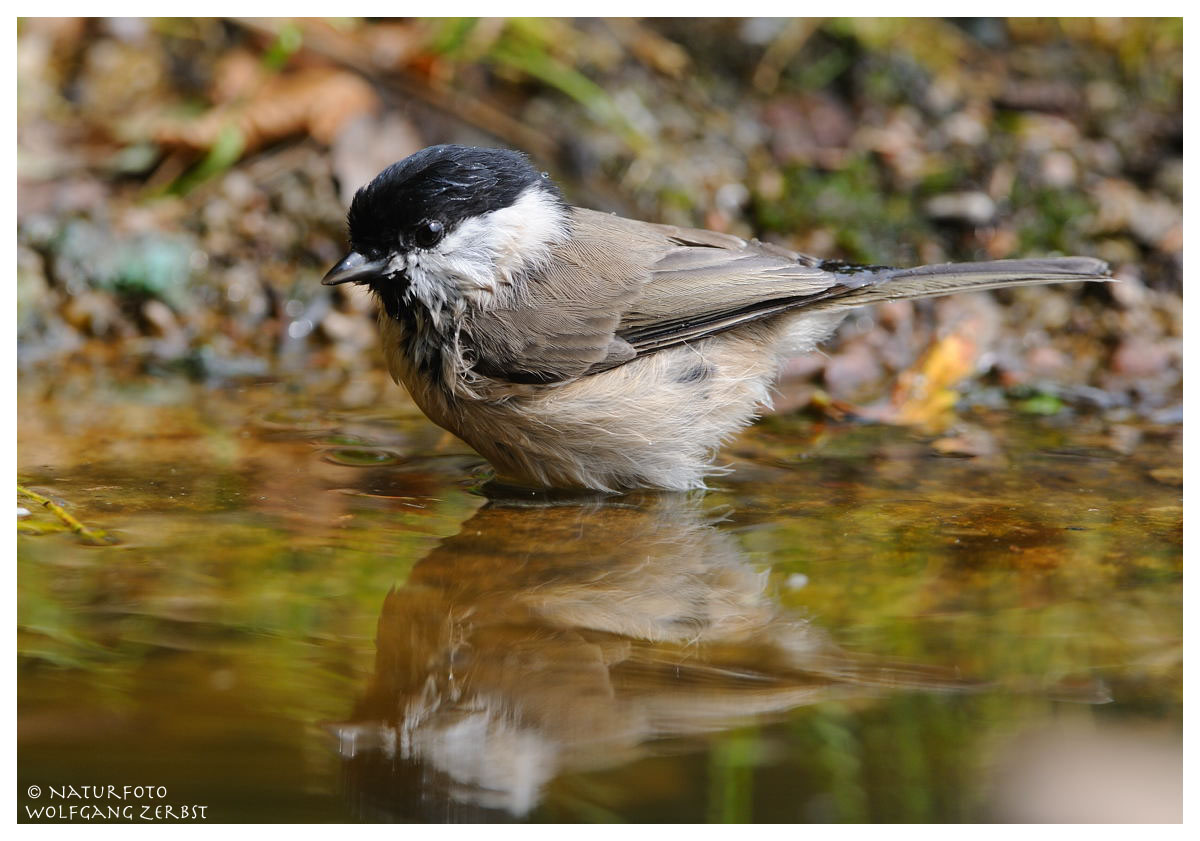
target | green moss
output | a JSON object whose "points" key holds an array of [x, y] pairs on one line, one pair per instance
{"points": [[1050, 220], [872, 223], [1041, 404]]}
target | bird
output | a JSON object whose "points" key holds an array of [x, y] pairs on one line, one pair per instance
{"points": [[578, 349]]}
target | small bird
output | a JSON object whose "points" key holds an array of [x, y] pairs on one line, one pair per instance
{"points": [[578, 349]]}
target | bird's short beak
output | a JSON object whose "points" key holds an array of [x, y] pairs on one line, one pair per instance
{"points": [[354, 268]]}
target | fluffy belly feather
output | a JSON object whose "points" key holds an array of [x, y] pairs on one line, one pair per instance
{"points": [[655, 422]]}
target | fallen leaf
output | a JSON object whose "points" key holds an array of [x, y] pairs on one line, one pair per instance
{"points": [[1168, 476], [314, 101], [925, 394]]}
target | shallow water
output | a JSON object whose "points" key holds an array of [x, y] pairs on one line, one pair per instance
{"points": [[311, 613]]}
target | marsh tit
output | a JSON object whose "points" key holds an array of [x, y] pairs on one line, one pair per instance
{"points": [[574, 348]]}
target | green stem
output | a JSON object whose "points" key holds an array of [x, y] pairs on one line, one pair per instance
{"points": [[95, 536]]}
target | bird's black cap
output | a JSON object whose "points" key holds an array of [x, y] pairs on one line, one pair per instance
{"points": [[445, 183]]}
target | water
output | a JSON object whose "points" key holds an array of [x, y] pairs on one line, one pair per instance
{"points": [[312, 613]]}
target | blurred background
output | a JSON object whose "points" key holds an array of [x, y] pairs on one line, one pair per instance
{"points": [[183, 183], [249, 570]]}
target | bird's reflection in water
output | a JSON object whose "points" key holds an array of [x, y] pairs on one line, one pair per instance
{"points": [[568, 637]]}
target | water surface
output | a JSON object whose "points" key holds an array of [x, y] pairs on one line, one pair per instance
{"points": [[313, 613]]}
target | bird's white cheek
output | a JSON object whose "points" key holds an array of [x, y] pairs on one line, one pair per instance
{"points": [[483, 254], [522, 236]]}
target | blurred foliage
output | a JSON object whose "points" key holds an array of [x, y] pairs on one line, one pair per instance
{"points": [[870, 223], [236, 143]]}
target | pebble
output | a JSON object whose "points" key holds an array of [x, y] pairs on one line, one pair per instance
{"points": [[976, 208], [1058, 169], [852, 369], [1136, 357]]}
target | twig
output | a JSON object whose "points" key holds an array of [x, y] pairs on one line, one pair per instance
{"points": [[782, 49], [477, 113], [339, 49], [95, 536]]}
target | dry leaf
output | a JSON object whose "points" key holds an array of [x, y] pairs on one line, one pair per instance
{"points": [[1172, 476], [925, 394], [314, 101]]}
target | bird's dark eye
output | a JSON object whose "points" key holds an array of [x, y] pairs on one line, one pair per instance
{"points": [[428, 233]]}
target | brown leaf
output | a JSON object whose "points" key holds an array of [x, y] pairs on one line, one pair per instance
{"points": [[925, 394], [1172, 476], [314, 101]]}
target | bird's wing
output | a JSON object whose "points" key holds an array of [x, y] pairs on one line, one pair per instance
{"points": [[619, 289], [702, 283], [698, 283], [562, 321]]}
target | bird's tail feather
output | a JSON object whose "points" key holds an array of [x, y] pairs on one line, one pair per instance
{"points": [[874, 285]]}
